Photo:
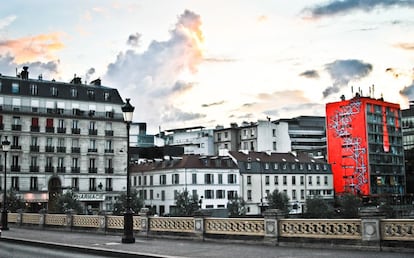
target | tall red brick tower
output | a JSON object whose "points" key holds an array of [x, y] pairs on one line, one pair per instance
{"points": [[365, 147]]}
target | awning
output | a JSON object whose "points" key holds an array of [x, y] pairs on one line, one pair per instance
{"points": [[36, 197]]}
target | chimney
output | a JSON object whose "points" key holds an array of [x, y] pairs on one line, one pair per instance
{"points": [[25, 74]]}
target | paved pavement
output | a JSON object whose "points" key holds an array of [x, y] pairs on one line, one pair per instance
{"points": [[109, 245]]}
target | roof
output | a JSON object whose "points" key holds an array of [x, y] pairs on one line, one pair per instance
{"points": [[186, 161], [273, 157]]}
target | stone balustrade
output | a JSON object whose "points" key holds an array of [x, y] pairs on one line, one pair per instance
{"points": [[370, 230]]}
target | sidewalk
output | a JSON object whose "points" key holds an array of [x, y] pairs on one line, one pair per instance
{"points": [[110, 245]]}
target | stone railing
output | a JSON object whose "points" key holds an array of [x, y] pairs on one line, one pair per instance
{"points": [[370, 231]]}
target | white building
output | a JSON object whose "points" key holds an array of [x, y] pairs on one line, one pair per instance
{"points": [[262, 135], [195, 140], [214, 180], [63, 136], [299, 176]]}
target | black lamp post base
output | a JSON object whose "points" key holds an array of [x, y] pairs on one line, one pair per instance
{"points": [[4, 220], [128, 237]]}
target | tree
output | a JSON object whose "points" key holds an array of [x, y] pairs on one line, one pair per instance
{"points": [[278, 200], [349, 206], [67, 202], [185, 204], [317, 207], [13, 202], [236, 207], [120, 206]]}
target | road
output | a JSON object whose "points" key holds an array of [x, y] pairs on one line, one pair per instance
{"points": [[14, 250]]}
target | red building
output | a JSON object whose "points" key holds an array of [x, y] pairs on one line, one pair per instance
{"points": [[365, 148]]}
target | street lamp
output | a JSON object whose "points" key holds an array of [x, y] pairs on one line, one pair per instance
{"points": [[5, 145], [128, 237]]}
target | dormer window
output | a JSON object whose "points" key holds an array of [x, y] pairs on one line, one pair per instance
{"points": [[73, 92], [15, 88], [91, 94], [54, 91], [107, 96]]}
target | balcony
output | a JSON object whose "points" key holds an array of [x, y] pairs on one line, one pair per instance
{"points": [[75, 130], [49, 149], [15, 168], [109, 189], [61, 149], [61, 169], [93, 132], [75, 149], [16, 127], [16, 147], [50, 129], [92, 189], [49, 169], [34, 188], [93, 170], [61, 130], [34, 148], [92, 150], [109, 151], [34, 168], [75, 169], [109, 133], [34, 128], [109, 170]]}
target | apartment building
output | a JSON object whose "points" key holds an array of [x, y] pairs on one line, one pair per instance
{"points": [[63, 136], [214, 180], [297, 175], [365, 146]]}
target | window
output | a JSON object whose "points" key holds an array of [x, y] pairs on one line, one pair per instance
{"points": [[33, 89], [276, 180], [266, 165], [92, 125], [284, 180], [267, 180], [49, 123], [163, 179], [61, 123], [15, 88], [34, 141], [54, 91], [151, 180], [91, 163], [231, 195], [275, 166], [249, 180], [231, 179], [75, 143], [61, 162], [75, 124], [151, 197], [75, 183], [92, 184], [310, 180], [107, 96], [209, 179], [145, 180], [293, 194], [33, 183], [73, 92], [15, 182], [194, 179], [302, 179], [249, 165], [33, 161], [75, 162], [274, 132], [325, 179], [162, 195], [249, 195], [175, 179], [220, 194], [91, 94], [302, 194], [293, 180], [108, 184], [92, 145], [274, 146], [209, 194], [318, 180]]}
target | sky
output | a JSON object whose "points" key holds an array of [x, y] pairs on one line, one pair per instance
{"points": [[187, 63]]}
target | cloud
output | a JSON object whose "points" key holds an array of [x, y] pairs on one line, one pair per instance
{"points": [[346, 6], [39, 47], [48, 69], [7, 21], [153, 77], [134, 40], [311, 74], [89, 73], [344, 71], [405, 46], [213, 104], [408, 91], [218, 59]]}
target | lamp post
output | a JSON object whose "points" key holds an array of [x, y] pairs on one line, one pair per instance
{"points": [[128, 237], [5, 145]]}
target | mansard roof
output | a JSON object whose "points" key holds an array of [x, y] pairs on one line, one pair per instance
{"points": [[186, 161], [44, 89], [246, 156]]}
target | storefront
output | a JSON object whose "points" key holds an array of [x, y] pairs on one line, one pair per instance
{"points": [[91, 202]]}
